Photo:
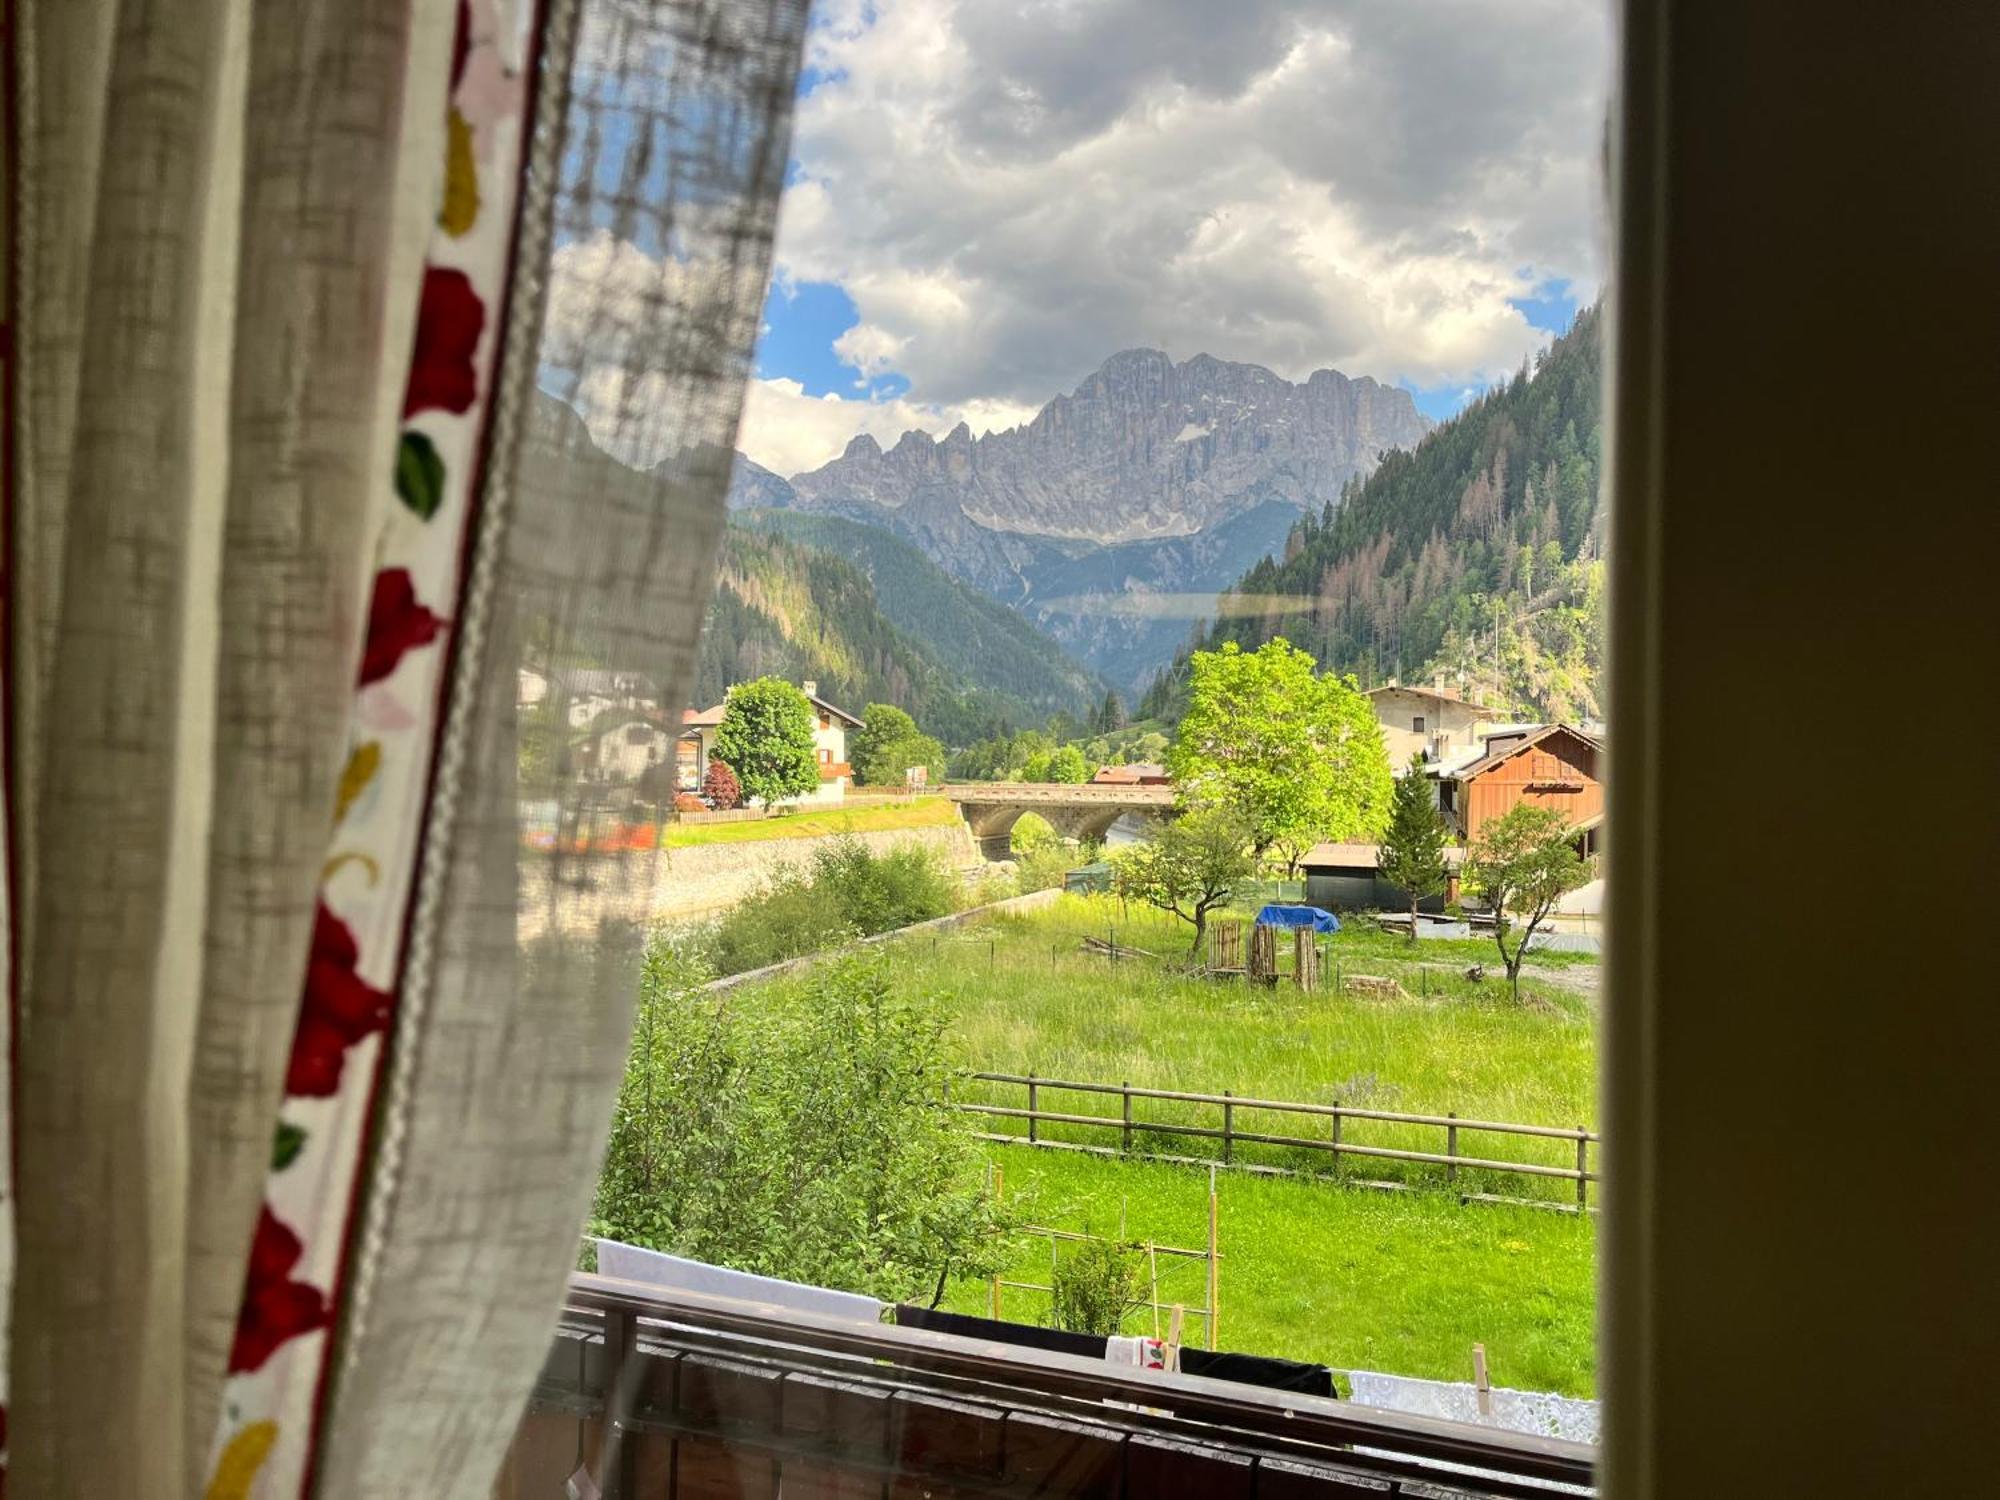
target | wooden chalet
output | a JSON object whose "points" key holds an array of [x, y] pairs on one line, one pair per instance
{"points": [[1550, 765]]}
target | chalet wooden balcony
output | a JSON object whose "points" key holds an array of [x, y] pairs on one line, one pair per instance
{"points": [[683, 1395]]}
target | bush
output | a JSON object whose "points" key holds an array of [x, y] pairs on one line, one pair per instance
{"points": [[689, 802], [845, 892], [1043, 866], [788, 918], [881, 892], [1095, 1286], [719, 788], [810, 1140]]}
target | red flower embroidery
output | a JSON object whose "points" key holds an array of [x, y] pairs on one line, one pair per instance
{"points": [[449, 320], [339, 1009], [396, 623], [275, 1307]]}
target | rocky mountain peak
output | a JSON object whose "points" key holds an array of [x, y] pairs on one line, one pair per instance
{"points": [[1142, 448]]}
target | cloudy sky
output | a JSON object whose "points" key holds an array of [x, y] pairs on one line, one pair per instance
{"points": [[988, 197]]}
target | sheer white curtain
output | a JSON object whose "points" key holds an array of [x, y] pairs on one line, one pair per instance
{"points": [[364, 354]]}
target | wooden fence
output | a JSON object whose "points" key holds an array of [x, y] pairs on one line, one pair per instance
{"points": [[1332, 1143]]}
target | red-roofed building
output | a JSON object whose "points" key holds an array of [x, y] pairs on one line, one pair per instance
{"points": [[1139, 773]]}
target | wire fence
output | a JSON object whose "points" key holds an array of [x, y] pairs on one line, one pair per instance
{"points": [[1250, 1133]]}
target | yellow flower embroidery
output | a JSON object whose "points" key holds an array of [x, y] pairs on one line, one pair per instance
{"points": [[461, 178], [237, 1469], [362, 764]]}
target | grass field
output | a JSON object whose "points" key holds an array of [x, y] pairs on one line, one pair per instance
{"points": [[1356, 1277], [1029, 999], [1402, 1282], [917, 812]]}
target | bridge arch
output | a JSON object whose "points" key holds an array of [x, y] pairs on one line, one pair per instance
{"points": [[1077, 812]]}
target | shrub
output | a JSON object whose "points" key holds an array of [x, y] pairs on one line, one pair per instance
{"points": [[788, 918], [689, 802], [881, 892], [810, 1140], [843, 893], [1043, 866], [719, 788], [1095, 1286]]}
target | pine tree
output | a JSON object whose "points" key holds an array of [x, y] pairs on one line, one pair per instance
{"points": [[1412, 853]]}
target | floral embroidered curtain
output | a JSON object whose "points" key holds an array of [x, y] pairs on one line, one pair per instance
{"points": [[372, 374]]}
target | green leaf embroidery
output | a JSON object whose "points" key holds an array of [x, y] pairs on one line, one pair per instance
{"points": [[285, 1149], [419, 474]]}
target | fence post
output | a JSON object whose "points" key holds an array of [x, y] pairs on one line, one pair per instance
{"points": [[1335, 1153], [1451, 1148], [1126, 1094], [1228, 1127], [1336, 976], [1034, 1092], [1582, 1166]]}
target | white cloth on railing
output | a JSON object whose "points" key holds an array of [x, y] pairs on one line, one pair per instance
{"points": [[655, 1268], [1145, 1353], [1538, 1412], [1535, 1412]]}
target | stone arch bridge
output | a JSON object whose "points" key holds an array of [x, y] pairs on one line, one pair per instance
{"points": [[1076, 812]]}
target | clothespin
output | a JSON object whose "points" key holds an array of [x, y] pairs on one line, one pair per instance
{"points": [[1482, 1388]]}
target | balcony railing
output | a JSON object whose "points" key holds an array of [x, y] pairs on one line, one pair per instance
{"points": [[679, 1394]]}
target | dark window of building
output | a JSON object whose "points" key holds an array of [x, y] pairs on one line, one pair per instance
{"points": [[1417, 724]]}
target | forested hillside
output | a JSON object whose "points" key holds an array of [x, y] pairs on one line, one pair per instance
{"points": [[794, 611], [1476, 557], [973, 636]]}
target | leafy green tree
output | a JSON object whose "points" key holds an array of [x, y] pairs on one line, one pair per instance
{"points": [[808, 1137], [1190, 868], [1297, 756], [881, 724], [766, 736], [1036, 766], [1412, 851], [1067, 767], [1523, 862], [888, 764]]}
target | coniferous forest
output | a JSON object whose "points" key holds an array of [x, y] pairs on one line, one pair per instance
{"points": [[1476, 558]]}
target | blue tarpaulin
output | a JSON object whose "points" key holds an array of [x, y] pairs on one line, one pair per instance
{"points": [[1298, 916]]}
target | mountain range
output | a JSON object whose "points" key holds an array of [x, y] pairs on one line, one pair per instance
{"points": [[1110, 516]]}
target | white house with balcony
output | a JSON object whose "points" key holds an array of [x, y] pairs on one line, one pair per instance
{"points": [[831, 725]]}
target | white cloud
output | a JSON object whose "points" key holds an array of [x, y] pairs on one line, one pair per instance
{"points": [[788, 431], [1011, 190]]}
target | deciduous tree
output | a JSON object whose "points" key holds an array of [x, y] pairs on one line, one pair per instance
{"points": [[1523, 862], [811, 1140], [766, 735], [1190, 868], [1067, 767], [1297, 756], [881, 724]]}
